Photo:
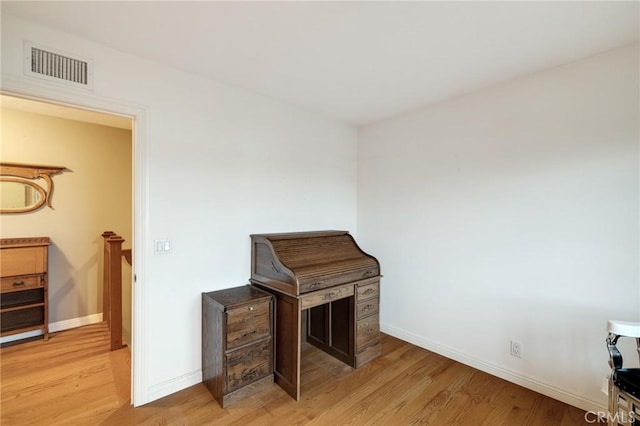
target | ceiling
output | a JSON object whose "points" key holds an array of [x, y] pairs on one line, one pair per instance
{"points": [[357, 62]]}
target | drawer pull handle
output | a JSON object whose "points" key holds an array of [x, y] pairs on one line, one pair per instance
{"points": [[367, 308], [249, 374], [249, 333], [18, 284], [368, 291], [367, 274], [316, 284], [369, 331]]}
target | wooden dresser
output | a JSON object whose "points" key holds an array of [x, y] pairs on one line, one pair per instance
{"points": [[326, 290], [24, 299], [237, 342]]}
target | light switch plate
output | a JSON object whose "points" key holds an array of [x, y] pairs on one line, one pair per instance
{"points": [[162, 246]]}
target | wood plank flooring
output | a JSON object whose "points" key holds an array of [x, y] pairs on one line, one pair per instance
{"points": [[73, 379]]}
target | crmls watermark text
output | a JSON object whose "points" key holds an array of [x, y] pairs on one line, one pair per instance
{"points": [[623, 417]]}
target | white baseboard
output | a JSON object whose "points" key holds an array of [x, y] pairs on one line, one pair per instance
{"points": [[495, 370], [74, 322], [173, 385], [55, 326]]}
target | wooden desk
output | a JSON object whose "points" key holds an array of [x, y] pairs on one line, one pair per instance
{"points": [[324, 281]]}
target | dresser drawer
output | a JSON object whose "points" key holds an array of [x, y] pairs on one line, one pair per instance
{"points": [[248, 323], [23, 260], [247, 365], [367, 307], [21, 283], [14, 299], [367, 332], [23, 318], [368, 291]]}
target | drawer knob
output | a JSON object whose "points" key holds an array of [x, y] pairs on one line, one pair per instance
{"points": [[18, 284], [251, 308]]}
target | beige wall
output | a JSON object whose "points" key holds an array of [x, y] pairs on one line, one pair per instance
{"points": [[94, 195]]}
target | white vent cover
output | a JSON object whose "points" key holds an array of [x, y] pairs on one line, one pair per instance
{"points": [[52, 65]]}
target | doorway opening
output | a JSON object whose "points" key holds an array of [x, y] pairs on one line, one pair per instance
{"points": [[95, 194]]}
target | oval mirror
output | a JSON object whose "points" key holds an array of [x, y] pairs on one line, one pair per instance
{"points": [[20, 196]]}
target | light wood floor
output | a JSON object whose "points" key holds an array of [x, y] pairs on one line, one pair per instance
{"points": [[73, 379]]}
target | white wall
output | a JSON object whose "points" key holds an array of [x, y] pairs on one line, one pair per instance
{"points": [[221, 164], [512, 213]]}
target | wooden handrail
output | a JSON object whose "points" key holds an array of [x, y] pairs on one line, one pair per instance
{"points": [[126, 254], [112, 285]]}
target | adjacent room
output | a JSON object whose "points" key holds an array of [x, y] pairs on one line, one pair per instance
{"points": [[472, 169]]}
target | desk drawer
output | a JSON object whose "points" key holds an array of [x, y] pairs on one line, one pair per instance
{"points": [[325, 296], [368, 307], [247, 324], [368, 291], [247, 365], [21, 283], [367, 332]]}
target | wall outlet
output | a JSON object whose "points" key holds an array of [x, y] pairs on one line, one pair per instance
{"points": [[516, 349]]}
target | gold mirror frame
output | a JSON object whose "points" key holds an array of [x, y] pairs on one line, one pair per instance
{"points": [[28, 174]]}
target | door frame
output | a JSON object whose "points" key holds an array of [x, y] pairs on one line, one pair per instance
{"points": [[80, 99]]}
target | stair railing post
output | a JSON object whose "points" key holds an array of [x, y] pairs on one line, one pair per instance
{"points": [[106, 279]]}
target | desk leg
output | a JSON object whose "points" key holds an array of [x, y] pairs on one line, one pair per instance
{"points": [[287, 344]]}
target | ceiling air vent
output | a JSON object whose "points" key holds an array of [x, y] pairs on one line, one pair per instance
{"points": [[46, 63]]}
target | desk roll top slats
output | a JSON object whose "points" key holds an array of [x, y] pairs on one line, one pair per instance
{"points": [[299, 263], [322, 282]]}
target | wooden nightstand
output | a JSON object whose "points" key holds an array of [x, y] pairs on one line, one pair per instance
{"points": [[237, 342]]}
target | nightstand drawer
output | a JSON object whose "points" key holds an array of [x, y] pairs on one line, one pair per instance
{"points": [[247, 365], [21, 283], [248, 323]]}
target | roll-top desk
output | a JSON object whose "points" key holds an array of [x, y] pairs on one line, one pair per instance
{"points": [[325, 277], [23, 298]]}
